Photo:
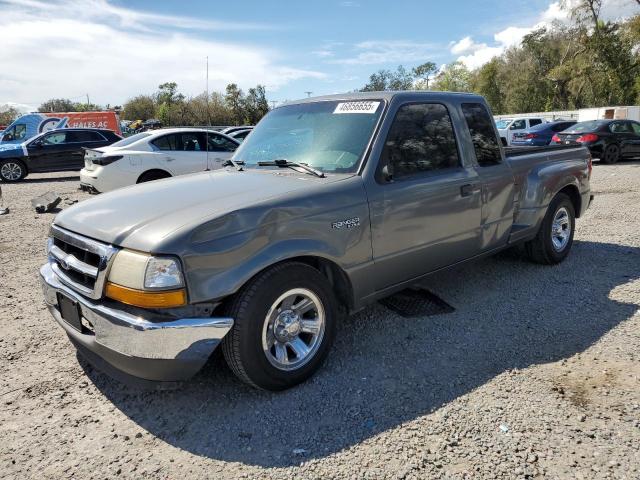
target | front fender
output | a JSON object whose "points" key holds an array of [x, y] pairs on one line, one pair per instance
{"points": [[217, 266]]}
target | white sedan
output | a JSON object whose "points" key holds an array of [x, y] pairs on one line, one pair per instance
{"points": [[153, 155]]}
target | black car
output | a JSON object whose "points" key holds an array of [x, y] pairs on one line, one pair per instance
{"points": [[53, 151], [608, 140]]}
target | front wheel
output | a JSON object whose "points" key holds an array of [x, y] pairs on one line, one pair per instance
{"points": [[555, 237], [12, 170], [284, 324]]}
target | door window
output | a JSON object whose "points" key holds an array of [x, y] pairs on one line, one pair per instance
{"points": [[420, 139], [485, 142], [636, 127], [518, 125], [84, 136], [534, 121], [620, 127], [55, 138], [190, 142], [167, 142], [217, 143]]}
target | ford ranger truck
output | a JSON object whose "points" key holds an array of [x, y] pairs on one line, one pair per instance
{"points": [[329, 205]]}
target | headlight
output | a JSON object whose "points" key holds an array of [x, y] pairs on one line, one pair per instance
{"points": [[146, 281]]}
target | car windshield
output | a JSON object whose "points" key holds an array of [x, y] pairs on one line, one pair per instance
{"points": [[329, 136], [132, 139], [504, 123], [583, 127]]}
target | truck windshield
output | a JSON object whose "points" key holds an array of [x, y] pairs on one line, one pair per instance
{"points": [[328, 136]]}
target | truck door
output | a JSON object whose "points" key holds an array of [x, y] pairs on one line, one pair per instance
{"points": [[496, 178], [425, 207]]}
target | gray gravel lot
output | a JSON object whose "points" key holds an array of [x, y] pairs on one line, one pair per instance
{"points": [[536, 374]]}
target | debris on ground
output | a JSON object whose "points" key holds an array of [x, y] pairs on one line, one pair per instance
{"points": [[46, 203]]}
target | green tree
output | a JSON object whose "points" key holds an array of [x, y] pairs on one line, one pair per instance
{"points": [[423, 73], [57, 105], [486, 82], [8, 114], [141, 107], [454, 77], [255, 105], [234, 100], [383, 80]]}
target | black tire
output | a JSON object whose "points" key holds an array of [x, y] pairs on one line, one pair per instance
{"points": [[542, 248], [153, 175], [12, 170], [243, 345], [611, 154], [504, 141]]}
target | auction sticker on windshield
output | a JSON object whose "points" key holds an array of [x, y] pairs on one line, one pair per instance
{"points": [[356, 107]]}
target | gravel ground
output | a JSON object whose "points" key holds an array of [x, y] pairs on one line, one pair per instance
{"points": [[536, 374]]}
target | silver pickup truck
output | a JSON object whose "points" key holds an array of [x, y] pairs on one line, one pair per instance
{"points": [[330, 204]]}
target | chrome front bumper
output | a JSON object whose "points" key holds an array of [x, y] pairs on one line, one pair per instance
{"points": [[152, 350]]}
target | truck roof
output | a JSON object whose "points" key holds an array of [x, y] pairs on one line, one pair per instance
{"points": [[386, 95]]}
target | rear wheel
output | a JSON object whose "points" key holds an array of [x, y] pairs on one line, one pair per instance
{"points": [[611, 154], [555, 237], [153, 175], [284, 324], [12, 170]]}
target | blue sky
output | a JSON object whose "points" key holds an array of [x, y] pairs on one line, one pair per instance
{"points": [[115, 49]]}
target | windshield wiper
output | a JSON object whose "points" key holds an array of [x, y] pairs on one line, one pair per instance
{"points": [[286, 163], [237, 164]]}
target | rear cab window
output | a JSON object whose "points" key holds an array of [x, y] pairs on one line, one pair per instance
{"points": [[421, 140], [535, 121], [483, 136]]}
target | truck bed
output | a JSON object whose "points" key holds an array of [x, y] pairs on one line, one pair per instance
{"points": [[519, 151]]}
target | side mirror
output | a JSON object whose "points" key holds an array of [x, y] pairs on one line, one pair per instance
{"points": [[387, 173]]}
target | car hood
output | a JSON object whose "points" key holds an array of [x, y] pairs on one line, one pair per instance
{"points": [[7, 150], [143, 217]]}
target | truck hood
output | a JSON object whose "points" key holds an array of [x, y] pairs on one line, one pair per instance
{"points": [[142, 217]]}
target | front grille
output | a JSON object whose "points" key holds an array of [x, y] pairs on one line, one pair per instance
{"points": [[80, 262]]}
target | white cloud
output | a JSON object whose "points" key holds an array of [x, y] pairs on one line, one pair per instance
{"points": [[474, 54], [465, 45], [374, 52], [67, 48]]}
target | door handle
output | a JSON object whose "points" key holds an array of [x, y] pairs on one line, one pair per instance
{"points": [[170, 159], [469, 189]]}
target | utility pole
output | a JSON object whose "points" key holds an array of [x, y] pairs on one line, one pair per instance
{"points": [[308, 94], [88, 102]]}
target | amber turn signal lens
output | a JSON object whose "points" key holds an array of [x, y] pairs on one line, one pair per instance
{"points": [[139, 298]]}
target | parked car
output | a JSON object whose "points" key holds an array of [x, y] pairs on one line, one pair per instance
{"points": [[541, 134], [608, 140], [507, 127], [340, 201], [240, 135], [230, 130], [153, 155], [54, 151], [28, 126]]}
